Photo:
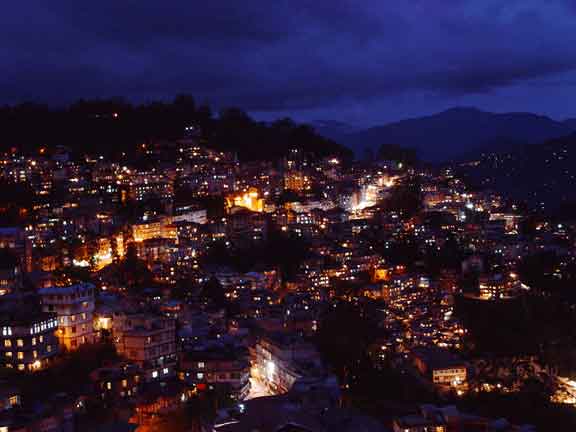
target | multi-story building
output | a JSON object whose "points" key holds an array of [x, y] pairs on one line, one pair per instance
{"points": [[280, 359], [297, 181], [74, 306], [117, 382], [150, 342], [10, 273], [226, 369], [150, 184], [16, 240], [250, 200], [442, 367], [27, 339], [158, 228]]}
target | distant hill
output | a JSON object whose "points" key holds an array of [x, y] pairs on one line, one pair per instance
{"points": [[571, 123], [333, 129], [542, 174], [457, 132]]}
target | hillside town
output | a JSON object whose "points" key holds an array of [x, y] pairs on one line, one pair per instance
{"points": [[182, 288]]}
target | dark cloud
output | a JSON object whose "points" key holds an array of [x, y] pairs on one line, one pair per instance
{"points": [[284, 55]]}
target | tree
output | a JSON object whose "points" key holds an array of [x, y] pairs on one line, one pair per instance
{"points": [[213, 292], [344, 336]]}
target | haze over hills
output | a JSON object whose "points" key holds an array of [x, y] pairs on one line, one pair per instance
{"points": [[454, 133]]}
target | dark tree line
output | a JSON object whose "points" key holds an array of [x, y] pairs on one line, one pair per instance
{"points": [[113, 126]]}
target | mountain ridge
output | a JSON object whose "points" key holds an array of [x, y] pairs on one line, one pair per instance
{"points": [[457, 131]]}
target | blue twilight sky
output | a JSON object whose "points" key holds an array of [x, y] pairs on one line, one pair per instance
{"points": [[361, 61]]}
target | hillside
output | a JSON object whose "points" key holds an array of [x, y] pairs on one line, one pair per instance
{"points": [[542, 174]]}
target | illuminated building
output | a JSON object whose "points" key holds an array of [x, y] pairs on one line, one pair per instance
{"points": [[10, 273], [74, 306], [117, 382], [380, 275], [443, 368], [228, 370], [159, 228], [150, 342], [498, 286], [9, 398], [15, 239], [150, 184], [191, 215], [279, 360], [296, 181], [249, 200], [511, 220], [27, 339]]}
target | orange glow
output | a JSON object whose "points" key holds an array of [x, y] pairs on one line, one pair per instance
{"points": [[250, 200]]}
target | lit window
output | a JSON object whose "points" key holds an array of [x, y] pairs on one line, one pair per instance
{"points": [[20, 342], [201, 365], [21, 367], [155, 374], [20, 355], [165, 370], [7, 343], [33, 341]]}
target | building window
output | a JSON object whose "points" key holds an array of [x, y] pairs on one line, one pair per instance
{"points": [[20, 355], [154, 374], [7, 343], [41, 338], [21, 367], [201, 365], [33, 341], [200, 375], [20, 343], [165, 370], [8, 353]]}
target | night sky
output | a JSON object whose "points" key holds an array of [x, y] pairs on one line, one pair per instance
{"points": [[361, 61]]}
